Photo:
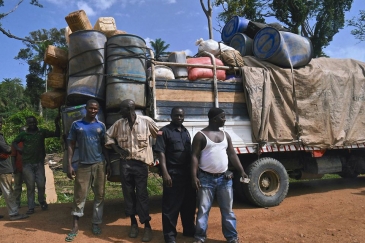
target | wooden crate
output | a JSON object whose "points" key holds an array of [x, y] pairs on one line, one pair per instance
{"points": [[53, 99], [78, 20], [56, 56], [56, 80]]}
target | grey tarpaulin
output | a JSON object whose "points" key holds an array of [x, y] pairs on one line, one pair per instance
{"points": [[330, 97]]}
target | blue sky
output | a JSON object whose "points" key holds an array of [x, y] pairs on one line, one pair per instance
{"points": [[178, 22]]}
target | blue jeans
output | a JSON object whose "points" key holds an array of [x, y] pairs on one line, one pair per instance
{"points": [[222, 188], [34, 174]]}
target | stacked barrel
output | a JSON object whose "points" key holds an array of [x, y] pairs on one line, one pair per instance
{"points": [[268, 42], [102, 60]]}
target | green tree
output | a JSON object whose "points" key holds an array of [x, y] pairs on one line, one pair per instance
{"points": [[33, 55], [359, 24], [12, 96], [318, 20], [159, 48], [3, 15]]}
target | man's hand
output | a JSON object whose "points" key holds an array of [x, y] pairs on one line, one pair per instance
{"points": [[167, 179], [71, 173], [122, 152], [195, 183], [244, 175]]}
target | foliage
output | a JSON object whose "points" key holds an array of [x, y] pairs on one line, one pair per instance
{"points": [[253, 10], [359, 24], [318, 20], [33, 55], [159, 47], [3, 15], [12, 96]]}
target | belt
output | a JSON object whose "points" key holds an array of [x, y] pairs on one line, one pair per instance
{"points": [[211, 174]]}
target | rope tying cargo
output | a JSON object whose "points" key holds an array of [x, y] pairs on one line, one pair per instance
{"points": [[79, 73]]}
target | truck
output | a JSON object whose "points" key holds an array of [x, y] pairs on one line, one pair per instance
{"points": [[284, 123]]}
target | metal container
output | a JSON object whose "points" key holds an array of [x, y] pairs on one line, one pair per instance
{"points": [[281, 48], [112, 117], [115, 167], [242, 43], [125, 70], [73, 113], [235, 25], [86, 67], [178, 57]]}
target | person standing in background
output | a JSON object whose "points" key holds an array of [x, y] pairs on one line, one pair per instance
{"points": [[173, 146], [33, 155], [6, 175], [16, 159]]}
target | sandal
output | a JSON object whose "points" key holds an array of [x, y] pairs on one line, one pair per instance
{"points": [[71, 236], [96, 229]]}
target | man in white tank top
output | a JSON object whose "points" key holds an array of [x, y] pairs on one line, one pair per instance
{"points": [[211, 151]]}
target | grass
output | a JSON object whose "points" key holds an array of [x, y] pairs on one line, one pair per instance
{"points": [[64, 189]]}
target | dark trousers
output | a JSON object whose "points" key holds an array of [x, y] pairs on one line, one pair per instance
{"points": [[180, 198], [134, 176]]}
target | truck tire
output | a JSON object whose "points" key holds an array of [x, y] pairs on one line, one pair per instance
{"points": [[269, 182]]}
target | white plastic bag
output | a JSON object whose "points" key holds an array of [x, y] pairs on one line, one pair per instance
{"points": [[211, 46]]}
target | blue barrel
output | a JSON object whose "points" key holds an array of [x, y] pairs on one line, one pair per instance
{"points": [[242, 43], [125, 70], [233, 26], [281, 48], [73, 113], [86, 67]]}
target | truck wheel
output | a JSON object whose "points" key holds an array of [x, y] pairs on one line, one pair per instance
{"points": [[348, 173], [269, 182]]}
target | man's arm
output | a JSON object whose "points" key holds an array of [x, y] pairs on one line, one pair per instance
{"points": [[153, 127], [15, 144], [70, 152], [198, 145], [233, 158], [160, 148]]}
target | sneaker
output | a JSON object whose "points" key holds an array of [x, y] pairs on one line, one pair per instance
{"points": [[147, 235], [133, 233], [18, 217], [44, 205], [198, 241], [234, 241]]}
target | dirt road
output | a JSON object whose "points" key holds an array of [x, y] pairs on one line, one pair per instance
{"points": [[314, 211]]}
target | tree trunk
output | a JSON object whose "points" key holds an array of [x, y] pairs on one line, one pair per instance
{"points": [[208, 13]]}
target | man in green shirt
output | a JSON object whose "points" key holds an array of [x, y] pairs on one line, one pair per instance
{"points": [[34, 153]]}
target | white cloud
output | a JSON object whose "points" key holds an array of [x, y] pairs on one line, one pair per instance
{"points": [[147, 40], [103, 4], [353, 51], [188, 52], [85, 6], [180, 12], [171, 1]]}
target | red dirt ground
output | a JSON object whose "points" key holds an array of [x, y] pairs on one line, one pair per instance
{"points": [[314, 211]]}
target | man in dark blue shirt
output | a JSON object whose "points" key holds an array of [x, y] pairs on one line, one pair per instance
{"points": [[173, 146]]}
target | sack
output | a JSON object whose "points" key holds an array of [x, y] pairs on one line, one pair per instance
{"points": [[232, 58], [211, 46]]}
